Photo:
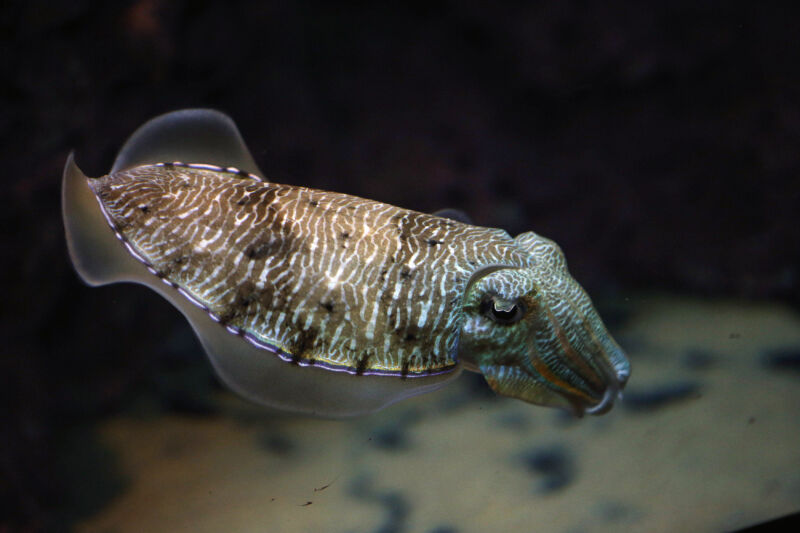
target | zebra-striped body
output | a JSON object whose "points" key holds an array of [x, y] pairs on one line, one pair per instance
{"points": [[325, 278], [326, 303]]}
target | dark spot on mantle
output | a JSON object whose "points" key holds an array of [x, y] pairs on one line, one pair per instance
{"points": [[305, 342], [263, 247], [433, 242], [362, 364]]}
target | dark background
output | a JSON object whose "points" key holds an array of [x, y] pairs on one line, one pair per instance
{"points": [[656, 142]]}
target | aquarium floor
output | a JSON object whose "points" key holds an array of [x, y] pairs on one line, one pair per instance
{"points": [[707, 439]]}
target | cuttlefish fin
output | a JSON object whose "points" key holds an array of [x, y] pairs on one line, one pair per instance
{"points": [[454, 214], [98, 255], [189, 136]]}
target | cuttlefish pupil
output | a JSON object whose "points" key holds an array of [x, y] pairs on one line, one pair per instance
{"points": [[326, 303]]}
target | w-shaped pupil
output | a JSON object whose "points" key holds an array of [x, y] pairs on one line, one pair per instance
{"points": [[505, 315]]}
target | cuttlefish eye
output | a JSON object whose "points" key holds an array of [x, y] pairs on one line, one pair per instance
{"points": [[501, 312], [534, 335]]}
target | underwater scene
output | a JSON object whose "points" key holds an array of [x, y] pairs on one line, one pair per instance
{"points": [[439, 268], [705, 441]]}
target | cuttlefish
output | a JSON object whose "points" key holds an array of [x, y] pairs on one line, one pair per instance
{"points": [[326, 303]]}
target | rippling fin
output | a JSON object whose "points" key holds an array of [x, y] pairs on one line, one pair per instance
{"points": [[189, 136], [454, 214], [98, 256], [265, 379]]}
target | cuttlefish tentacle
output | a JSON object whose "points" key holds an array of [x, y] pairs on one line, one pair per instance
{"points": [[326, 303]]}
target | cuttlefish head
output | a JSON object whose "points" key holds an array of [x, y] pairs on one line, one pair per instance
{"points": [[534, 334]]}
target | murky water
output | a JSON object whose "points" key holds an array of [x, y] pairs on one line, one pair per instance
{"points": [[706, 439]]}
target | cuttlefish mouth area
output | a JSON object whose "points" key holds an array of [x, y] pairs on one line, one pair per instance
{"points": [[589, 369], [597, 399], [613, 378]]}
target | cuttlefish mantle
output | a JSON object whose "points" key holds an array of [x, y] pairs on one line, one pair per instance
{"points": [[325, 303]]}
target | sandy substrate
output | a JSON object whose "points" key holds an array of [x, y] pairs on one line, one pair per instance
{"points": [[707, 439]]}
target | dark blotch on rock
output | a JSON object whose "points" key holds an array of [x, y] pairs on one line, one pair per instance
{"points": [[187, 403], [276, 443], [87, 473], [393, 435], [783, 359], [563, 418], [395, 505], [514, 420], [181, 381], [659, 396], [614, 512], [698, 359], [444, 529], [622, 515], [553, 466], [390, 438]]}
